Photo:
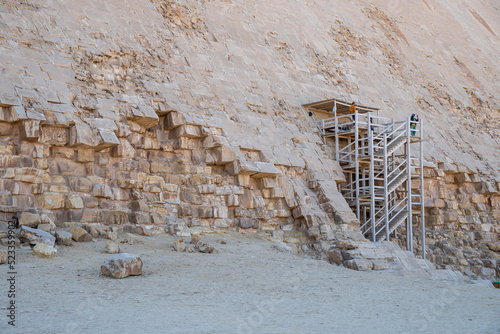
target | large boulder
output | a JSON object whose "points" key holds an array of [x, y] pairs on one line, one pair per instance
{"points": [[35, 236], [122, 265]]}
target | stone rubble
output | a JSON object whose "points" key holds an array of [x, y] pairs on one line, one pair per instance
{"points": [[44, 250], [122, 265]]}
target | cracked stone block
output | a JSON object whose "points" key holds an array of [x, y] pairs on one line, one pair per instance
{"points": [[30, 130], [81, 136], [105, 139]]}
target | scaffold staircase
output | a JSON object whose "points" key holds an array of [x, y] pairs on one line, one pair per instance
{"points": [[380, 157]]}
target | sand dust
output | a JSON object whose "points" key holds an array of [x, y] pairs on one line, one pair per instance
{"points": [[249, 287]]}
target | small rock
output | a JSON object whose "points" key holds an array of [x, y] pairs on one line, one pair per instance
{"points": [[92, 230], [222, 242], [205, 248], [3, 257], [122, 265], [63, 238], [79, 234], [191, 250], [195, 238], [112, 247], [179, 245], [44, 250], [111, 235], [35, 236]]}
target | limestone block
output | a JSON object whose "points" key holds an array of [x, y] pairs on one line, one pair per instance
{"points": [[335, 256], [130, 184], [359, 264], [268, 183], [30, 130], [462, 177], [450, 216], [223, 155], [12, 114], [124, 149], [35, 236], [184, 143], [104, 139], [140, 218], [162, 108], [204, 247], [30, 219], [173, 120], [63, 238], [79, 234], [51, 201], [246, 223], [80, 184], [55, 136], [145, 116], [206, 188], [102, 190], [233, 200], [179, 245], [44, 250], [160, 167], [186, 130], [251, 200], [112, 247], [116, 217], [122, 265], [85, 155], [487, 188], [81, 136], [205, 212], [123, 130], [221, 212]]}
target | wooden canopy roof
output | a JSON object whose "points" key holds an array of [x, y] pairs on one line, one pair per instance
{"points": [[342, 107]]}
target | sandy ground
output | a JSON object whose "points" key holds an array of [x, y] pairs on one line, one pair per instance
{"points": [[249, 287]]}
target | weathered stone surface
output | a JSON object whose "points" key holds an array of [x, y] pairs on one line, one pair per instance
{"points": [[179, 245], [359, 264], [122, 265], [44, 250], [204, 247], [112, 247], [79, 234], [63, 238], [102, 190], [3, 257], [335, 256], [195, 238], [35, 236], [31, 219]]}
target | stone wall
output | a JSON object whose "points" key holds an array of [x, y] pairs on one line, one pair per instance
{"points": [[156, 170], [170, 113], [462, 220]]}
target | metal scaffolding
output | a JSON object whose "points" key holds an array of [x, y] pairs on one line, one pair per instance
{"points": [[375, 154]]}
